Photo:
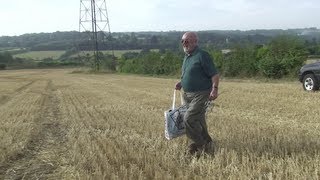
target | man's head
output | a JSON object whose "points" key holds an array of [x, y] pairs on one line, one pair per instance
{"points": [[189, 42]]}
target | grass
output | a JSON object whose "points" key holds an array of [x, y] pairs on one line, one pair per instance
{"points": [[10, 49], [118, 53], [312, 60], [38, 55], [61, 125]]}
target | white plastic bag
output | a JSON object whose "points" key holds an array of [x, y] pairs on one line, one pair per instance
{"points": [[174, 119]]}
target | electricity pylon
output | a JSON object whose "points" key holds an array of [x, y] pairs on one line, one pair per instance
{"points": [[95, 23]]}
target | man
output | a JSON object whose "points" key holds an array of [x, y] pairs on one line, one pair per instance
{"points": [[200, 82]]}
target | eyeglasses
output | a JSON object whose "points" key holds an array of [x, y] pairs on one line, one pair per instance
{"points": [[184, 41]]}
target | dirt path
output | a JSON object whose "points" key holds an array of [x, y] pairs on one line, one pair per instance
{"points": [[7, 98], [42, 154]]}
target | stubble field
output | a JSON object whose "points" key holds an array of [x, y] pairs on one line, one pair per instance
{"points": [[59, 125]]}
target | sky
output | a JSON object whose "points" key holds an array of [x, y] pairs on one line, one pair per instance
{"points": [[34, 16]]}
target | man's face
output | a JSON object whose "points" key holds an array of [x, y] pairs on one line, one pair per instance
{"points": [[189, 43]]}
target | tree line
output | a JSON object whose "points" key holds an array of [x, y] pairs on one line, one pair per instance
{"points": [[219, 39], [272, 54], [282, 57]]}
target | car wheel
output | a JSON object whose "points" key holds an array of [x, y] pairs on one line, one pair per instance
{"points": [[310, 83]]}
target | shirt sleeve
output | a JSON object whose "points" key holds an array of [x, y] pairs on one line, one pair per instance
{"points": [[183, 67], [208, 65]]}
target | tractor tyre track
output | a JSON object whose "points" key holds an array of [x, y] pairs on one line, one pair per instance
{"points": [[5, 99], [39, 158]]}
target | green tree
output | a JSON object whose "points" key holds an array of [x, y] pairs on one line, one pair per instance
{"points": [[241, 61], [171, 63], [219, 60], [283, 56], [155, 63], [5, 58]]}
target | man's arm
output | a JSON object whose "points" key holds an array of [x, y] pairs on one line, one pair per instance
{"points": [[215, 85], [215, 81]]}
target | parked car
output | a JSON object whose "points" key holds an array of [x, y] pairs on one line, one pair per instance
{"points": [[309, 76]]}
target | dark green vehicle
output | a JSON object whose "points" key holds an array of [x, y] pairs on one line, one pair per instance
{"points": [[309, 76]]}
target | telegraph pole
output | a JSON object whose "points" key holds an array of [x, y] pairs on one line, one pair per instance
{"points": [[94, 22]]}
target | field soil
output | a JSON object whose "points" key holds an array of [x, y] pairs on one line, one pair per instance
{"points": [[55, 124]]}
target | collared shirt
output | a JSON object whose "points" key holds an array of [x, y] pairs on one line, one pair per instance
{"points": [[197, 70]]}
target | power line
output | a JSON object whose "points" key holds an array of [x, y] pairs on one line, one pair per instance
{"points": [[94, 22]]}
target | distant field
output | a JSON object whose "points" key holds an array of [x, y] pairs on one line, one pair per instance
{"points": [[119, 53], [55, 124], [312, 60], [10, 49], [38, 55]]}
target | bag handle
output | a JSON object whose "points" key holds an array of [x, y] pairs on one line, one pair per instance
{"points": [[174, 99]]}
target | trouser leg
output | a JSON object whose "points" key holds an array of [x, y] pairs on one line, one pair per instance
{"points": [[196, 127]]}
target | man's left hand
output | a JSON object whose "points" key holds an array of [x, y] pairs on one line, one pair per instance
{"points": [[213, 94]]}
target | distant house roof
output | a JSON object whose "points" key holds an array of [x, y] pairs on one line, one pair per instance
{"points": [[225, 51]]}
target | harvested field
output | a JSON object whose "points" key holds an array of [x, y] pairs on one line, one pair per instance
{"points": [[56, 124]]}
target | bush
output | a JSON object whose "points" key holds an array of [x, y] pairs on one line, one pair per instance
{"points": [[154, 63], [3, 66], [272, 68], [242, 61], [283, 56]]}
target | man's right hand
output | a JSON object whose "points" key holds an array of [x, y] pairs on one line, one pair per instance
{"points": [[178, 86]]}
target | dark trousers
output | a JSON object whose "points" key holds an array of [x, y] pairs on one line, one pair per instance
{"points": [[196, 126]]}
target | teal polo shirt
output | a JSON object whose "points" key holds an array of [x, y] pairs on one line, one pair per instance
{"points": [[197, 70]]}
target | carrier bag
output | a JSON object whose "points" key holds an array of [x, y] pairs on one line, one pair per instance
{"points": [[174, 119]]}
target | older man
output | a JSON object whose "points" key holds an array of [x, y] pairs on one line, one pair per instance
{"points": [[200, 82]]}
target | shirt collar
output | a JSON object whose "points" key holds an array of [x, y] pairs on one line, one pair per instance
{"points": [[196, 49]]}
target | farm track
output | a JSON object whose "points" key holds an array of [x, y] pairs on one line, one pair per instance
{"points": [[47, 140], [5, 99], [20, 78]]}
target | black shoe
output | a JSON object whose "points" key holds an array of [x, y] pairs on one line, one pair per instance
{"points": [[209, 147], [193, 149]]}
